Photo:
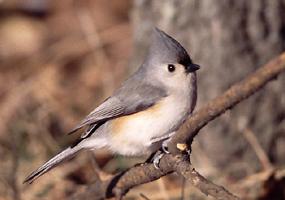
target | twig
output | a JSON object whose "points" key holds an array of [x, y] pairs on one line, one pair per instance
{"points": [[120, 184], [143, 196], [123, 182], [204, 185], [252, 140]]}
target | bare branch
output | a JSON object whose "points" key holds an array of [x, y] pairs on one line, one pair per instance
{"points": [[121, 183], [204, 185]]}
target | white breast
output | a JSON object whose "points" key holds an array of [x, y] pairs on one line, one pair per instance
{"points": [[132, 134]]}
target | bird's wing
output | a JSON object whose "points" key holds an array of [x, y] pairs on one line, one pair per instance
{"points": [[110, 108], [130, 98]]}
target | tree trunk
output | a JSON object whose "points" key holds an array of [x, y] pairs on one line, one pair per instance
{"points": [[229, 39]]}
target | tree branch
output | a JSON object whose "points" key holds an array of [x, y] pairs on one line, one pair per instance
{"points": [[121, 183], [207, 187]]}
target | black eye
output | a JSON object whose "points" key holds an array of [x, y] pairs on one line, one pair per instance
{"points": [[171, 68]]}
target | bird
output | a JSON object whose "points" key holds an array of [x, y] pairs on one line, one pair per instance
{"points": [[142, 115]]}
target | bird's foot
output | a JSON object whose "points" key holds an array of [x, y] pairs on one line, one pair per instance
{"points": [[157, 158], [164, 146]]}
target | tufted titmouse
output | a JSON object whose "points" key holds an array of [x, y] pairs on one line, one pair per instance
{"points": [[142, 115]]}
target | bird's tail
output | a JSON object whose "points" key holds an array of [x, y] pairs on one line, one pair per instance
{"points": [[53, 162]]}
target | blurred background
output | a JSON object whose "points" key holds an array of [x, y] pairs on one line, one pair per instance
{"points": [[59, 59]]}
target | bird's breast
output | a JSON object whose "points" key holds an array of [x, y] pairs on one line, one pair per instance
{"points": [[132, 134]]}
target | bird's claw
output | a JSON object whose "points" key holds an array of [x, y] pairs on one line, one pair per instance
{"points": [[156, 160], [164, 147]]}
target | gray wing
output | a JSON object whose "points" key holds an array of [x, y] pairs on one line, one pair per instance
{"points": [[130, 98]]}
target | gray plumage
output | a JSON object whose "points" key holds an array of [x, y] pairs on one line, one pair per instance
{"points": [[53, 162], [150, 85], [121, 103], [165, 49]]}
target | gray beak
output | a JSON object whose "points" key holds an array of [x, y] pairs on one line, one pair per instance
{"points": [[192, 68]]}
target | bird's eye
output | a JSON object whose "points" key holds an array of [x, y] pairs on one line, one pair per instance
{"points": [[171, 68]]}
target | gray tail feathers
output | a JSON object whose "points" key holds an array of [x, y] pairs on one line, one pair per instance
{"points": [[53, 162]]}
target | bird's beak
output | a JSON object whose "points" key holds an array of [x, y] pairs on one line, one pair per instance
{"points": [[192, 68]]}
